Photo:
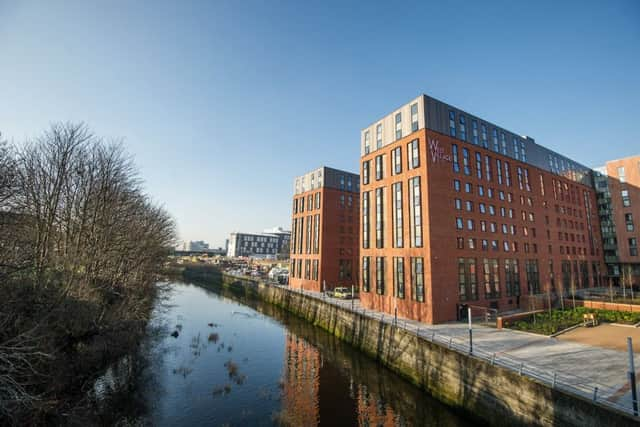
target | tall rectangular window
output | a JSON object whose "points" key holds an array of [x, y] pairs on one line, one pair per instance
{"points": [[465, 161], [308, 236], [365, 172], [485, 143], [398, 125], [379, 167], [413, 154], [520, 180], [491, 278], [463, 128], [414, 117], [628, 220], [417, 278], [398, 276], [365, 274], [396, 158], [474, 132], [533, 277], [621, 174], [397, 215], [467, 279], [494, 136], [479, 165], [512, 277], [527, 185], [523, 153], [626, 201], [317, 200], [487, 167], [367, 143], [415, 212], [454, 154], [380, 217], [516, 149], [365, 220], [503, 143], [316, 234], [452, 123], [300, 233], [499, 170], [380, 275], [507, 174], [584, 274], [379, 135], [344, 272], [314, 270]]}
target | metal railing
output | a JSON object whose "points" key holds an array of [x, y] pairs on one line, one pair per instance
{"points": [[580, 386]]}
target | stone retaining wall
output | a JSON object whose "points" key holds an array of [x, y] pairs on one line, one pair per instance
{"points": [[494, 394]]}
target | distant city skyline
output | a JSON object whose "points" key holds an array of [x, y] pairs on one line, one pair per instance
{"points": [[223, 104]]}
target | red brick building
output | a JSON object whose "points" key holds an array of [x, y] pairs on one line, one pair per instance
{"points": [[618, 189], [457, 211], [324, 234]]}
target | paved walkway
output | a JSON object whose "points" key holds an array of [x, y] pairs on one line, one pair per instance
{"points": [[579, 367]]}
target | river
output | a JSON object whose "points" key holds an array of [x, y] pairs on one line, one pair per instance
{"points": [[247, 363]]}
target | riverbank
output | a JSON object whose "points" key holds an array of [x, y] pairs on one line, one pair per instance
{"points": [[497, 395]]}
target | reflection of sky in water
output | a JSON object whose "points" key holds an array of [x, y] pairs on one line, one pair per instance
{"points": [[236, 377], [196, 388]]}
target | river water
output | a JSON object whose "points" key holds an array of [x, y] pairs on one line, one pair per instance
{"points": [[246, 363]]}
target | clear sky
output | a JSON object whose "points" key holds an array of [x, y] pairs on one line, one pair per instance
{"points": [[224, 103]]}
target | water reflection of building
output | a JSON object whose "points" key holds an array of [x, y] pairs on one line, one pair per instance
{"points": [[313, 390], [372, 410], [301, 383]]}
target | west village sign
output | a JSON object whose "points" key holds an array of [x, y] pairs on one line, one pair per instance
{"points": [[437, 152]]}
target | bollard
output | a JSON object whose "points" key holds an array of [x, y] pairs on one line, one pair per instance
{"points": [[493, 359], [450, 340], [433, 336], [418, 331], [595, 394], [521, 367], [555, 375]]}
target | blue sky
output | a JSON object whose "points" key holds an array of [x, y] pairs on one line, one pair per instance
{"points": [[224, 103]]}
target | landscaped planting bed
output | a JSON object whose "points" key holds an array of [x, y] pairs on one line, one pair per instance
{"points": [[547, 324]]}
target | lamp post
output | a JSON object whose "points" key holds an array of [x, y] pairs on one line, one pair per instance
{"points": [[470, 330], [632, 377]]}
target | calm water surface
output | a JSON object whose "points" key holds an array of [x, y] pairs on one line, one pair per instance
{"points": [[249, 364]]}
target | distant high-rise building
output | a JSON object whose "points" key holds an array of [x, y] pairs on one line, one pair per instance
{"points": [[324, 239]]}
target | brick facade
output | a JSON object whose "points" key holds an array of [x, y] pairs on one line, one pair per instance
{"points": [[324, 239], [533, 216]]}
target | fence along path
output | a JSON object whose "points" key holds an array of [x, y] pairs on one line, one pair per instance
{"points": [[456, 337]]}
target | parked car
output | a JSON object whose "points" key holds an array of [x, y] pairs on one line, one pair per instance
{"points": [[344, 293]]}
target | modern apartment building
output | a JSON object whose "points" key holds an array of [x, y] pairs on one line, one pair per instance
{"points": [[458, 211], [617, 186], [324, 239], [267, 245]]}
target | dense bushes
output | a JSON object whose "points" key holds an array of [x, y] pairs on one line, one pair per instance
{"points": [[80, 245], [547, 324]]}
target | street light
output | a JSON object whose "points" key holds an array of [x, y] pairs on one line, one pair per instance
{"points": [[470, 331]]}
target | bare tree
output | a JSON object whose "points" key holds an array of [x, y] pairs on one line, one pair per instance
{"points": [[81, 236]]}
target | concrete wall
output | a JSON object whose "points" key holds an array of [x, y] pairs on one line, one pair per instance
{"points": [[491, 393]]}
